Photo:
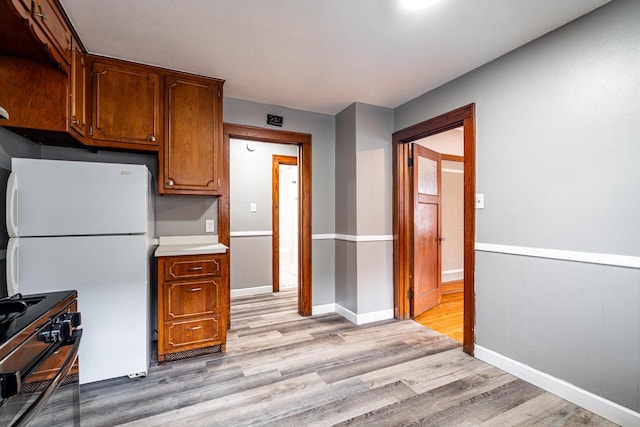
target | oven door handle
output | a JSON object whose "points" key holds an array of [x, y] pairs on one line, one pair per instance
{"points": [[62, 372]]}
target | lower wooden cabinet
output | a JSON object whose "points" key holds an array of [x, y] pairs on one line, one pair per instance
{"points": [[192, 308]]}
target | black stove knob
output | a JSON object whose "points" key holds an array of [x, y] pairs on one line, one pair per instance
{"points": [[73, 318], [57, 332]]}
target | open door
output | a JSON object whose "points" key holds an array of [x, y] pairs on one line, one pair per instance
{"points": [[425, 237]]}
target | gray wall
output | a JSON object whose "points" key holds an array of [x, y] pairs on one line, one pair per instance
{"points": [[374, 126], [557, 150], [363, 208], [345, 212], [250, 182], [322, 129]]}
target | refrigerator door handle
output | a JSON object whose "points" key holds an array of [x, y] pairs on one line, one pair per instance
{"points": [[12, 267], [12, 205]]}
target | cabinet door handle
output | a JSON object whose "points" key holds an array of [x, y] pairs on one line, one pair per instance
{"points": [[194, 269], [194, 290], [194, 328], [42, 15], [151, 138], [170, 182], [75, 121]]}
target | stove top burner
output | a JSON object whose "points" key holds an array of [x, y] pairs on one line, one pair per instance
{"points": [[14, 306]]}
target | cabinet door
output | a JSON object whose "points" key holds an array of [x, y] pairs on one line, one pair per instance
{"points": [[125, 106], [23, 7], [77, 87], [192, 154], [52, 29]]}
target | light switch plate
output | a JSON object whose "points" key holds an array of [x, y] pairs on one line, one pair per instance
{"points": [[209, 226], [253, 207], [479, 200]]}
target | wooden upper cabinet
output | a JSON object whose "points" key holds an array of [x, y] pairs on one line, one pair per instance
{"points": [[51, 28], [191, 160], [37, 30], [126, 108], [23, 7], [77, 92]]}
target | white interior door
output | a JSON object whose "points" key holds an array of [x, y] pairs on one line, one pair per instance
{"points": [[288, 226]]}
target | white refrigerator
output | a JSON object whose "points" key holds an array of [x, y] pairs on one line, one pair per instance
{"points": [[90, 227]]}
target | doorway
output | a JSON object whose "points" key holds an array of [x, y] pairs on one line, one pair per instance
{"points": [[303, 142], [403, 215], [284, 218], [447, 317]]}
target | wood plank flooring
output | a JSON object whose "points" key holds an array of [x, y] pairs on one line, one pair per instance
{"points": [[447, 317], [284, 370]]}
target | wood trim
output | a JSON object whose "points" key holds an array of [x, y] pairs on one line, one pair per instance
{"points": [[452, 158], [464, 116], [277, 160], [303, 141]]}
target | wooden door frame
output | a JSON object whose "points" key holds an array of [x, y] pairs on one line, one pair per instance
{"points": [[303, 141], [463, 116], [277, 160]]}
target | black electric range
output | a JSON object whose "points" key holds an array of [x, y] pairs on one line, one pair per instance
{"points": [[39, 342]]}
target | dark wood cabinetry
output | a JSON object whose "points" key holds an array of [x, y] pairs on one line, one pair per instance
{"points": [[57, 94], [126, 110], [77, 92], [51, 29], [190, 162], [35, 29], [192, 305]]}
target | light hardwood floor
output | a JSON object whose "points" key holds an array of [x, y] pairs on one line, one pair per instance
{"points": [[284, 370], [447, 317]]}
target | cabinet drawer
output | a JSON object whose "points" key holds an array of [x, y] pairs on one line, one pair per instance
{"points": [[180, 336], [187, 299], [188, 267]]}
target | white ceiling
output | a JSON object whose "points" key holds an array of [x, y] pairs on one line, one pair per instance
{"points": [[318, 55]]}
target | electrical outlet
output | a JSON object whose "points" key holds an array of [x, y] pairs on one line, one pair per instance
{"points": [[253, 207], [209, 226], [479, 200]]}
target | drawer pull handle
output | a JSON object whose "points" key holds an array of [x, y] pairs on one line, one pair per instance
{"points": [[194, 289], [195, 269], [194, 328]]}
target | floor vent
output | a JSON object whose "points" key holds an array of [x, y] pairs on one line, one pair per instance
{"points": [[192, 353]]}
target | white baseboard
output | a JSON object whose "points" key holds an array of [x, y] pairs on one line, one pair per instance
{"points": [[323, 309], [361, 319], [452, 276], [251, 291], [592, 402]]}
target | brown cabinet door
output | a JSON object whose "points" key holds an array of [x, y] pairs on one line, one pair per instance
{"points": [[52, 29], [189, 299], [23, 7], [77, 87], [191, 158], [126, 106]]}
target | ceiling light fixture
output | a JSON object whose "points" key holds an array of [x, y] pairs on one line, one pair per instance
{"points": [[417, 4]]}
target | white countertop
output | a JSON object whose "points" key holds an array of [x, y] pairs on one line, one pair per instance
{"points": [[189, 245]]}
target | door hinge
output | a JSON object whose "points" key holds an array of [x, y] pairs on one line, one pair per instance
{"points": [[410, 294], [90, 130], [219, 93], [410, 161]]}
